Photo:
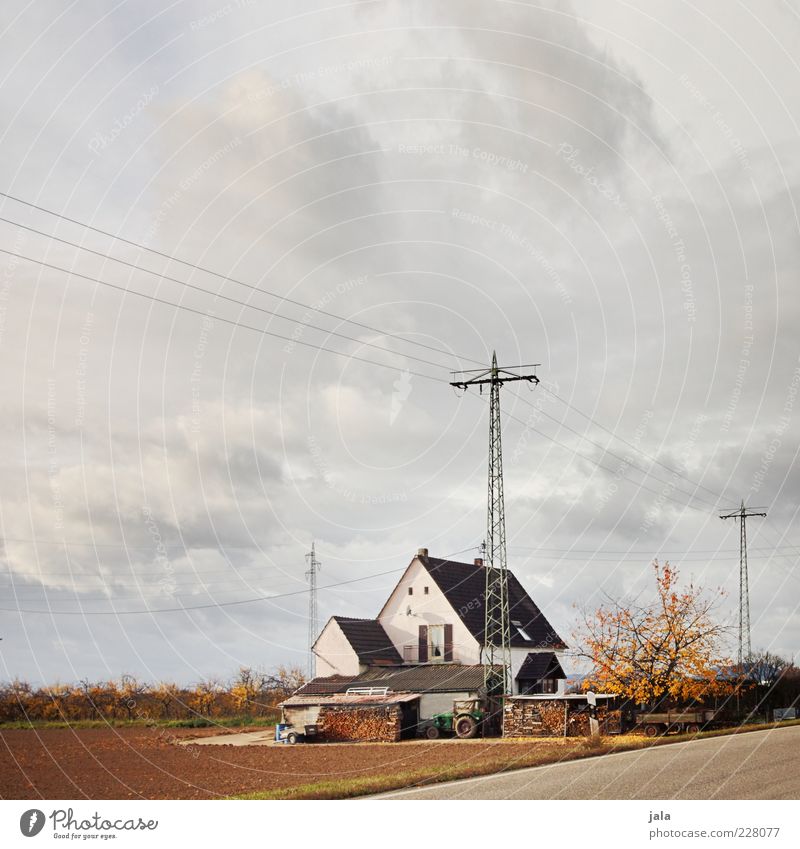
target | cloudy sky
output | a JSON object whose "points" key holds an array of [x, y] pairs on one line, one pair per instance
{"points": [[315, 213]]}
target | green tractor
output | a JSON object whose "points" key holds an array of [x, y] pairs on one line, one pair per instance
{"points": [[464, 722]]}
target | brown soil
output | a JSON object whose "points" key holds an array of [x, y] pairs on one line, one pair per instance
{"points": [[124, 763]]}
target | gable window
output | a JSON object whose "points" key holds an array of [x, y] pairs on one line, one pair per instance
{"points": [[411, 590], [521, 631], [426, 591]]}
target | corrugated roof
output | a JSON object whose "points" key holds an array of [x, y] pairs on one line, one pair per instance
{"points": [[369, 640], [343, 699], [464, 586], [422, 678], [538, 665]]}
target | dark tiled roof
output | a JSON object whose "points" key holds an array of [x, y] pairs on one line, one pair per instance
{"points": [[538, 665], [369, 640], [464, 586], [422, 678]]}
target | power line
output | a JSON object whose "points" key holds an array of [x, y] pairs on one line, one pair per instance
{"points": [[218, 295], [613, 473], [607, 450], [212, 605], [203, 314], [631, 445], [197, 606], [221, 276]]}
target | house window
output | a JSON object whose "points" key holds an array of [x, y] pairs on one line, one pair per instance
{"points": [[435, 643], [522, 632], [411, 590], [541, 687], [426, 591]]}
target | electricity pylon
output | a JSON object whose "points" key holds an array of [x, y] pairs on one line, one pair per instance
{"points": [[311, 576], [745, 647], [497, 627]]}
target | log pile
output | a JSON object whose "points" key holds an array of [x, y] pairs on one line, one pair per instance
{"points": [[545, 718], [378, 724], [522, 719]]}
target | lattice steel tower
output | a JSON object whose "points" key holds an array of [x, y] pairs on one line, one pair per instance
{"points": [[745, 647], [497, 625], [311, 577]]}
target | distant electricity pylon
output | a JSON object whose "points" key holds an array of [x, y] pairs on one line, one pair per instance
{"points": [[497, 627], [311, 576], [745, 647]]}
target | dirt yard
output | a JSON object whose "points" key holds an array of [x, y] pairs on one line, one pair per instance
{"points": [[125, 763]]}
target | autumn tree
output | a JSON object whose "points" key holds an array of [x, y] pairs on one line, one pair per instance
{"points": [[669, 646]]}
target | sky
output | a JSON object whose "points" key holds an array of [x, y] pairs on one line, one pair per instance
{"points": [[244, 245]]}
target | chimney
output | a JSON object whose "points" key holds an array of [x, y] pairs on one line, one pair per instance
{"points": [[422, 552], [479, 562]]}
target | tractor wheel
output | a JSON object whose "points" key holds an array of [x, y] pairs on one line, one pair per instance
{"points": [[432, 732], [466, 727], [651, 731], [291, 738], [693, 728]]}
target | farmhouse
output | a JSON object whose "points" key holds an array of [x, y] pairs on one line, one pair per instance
{"points": [[422, 651]]}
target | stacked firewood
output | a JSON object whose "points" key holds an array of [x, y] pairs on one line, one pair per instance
{"points": [[379, 724], [545, 718], [522, 719]]}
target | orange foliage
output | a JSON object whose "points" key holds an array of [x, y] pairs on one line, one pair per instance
{"points": [[669, 647]]}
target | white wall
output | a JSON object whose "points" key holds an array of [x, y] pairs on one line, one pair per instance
{"points": [[335, 655], [430, 609], [432, 703]]}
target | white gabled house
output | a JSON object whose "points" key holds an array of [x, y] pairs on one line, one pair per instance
{"points": [[434, 618]]}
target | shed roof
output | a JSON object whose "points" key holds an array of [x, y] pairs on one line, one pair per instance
{"points": [[419, 678], [345, 699], [464, 586]]}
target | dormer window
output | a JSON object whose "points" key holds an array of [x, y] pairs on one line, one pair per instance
{"points": [[521, 631]]}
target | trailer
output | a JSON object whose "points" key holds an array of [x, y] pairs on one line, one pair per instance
{"points": [[677, 721]]}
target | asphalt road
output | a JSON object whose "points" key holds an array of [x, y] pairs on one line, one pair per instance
{"points": [[756, 765]]}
